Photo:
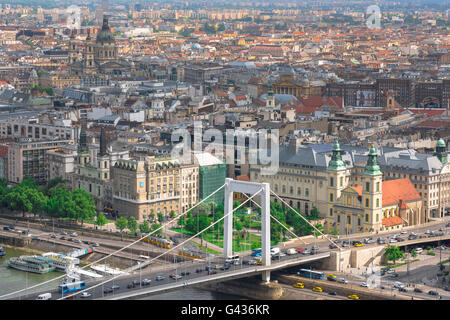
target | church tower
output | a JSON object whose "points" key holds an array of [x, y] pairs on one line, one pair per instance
{"points": [[372, 194], [441, 151], [336, 183], [83, 151], [89, 58], [270, 99], [73, 47]]}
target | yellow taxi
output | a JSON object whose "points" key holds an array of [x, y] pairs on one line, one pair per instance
{"points": [[358, 244], [259, 262], [353, 297], [317, 289], [331, 276], [299, 285]]}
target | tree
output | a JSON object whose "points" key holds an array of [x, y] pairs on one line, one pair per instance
{"points": [[413, 253], [393, 253], [172, 214], [121, 224], [320, 228], [101, 219], [84, 205], [144, 227], [160, 217], [132, 224], [314, 212], [156, 226]]}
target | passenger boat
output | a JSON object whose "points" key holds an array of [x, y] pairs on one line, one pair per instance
{"points": [[60, 261], [34, 264]]}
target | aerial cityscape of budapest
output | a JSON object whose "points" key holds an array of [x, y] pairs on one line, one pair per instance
{"points": [[205, 151]]}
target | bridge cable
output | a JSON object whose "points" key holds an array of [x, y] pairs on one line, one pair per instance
{"points": [[117, 251], [173, 248]]}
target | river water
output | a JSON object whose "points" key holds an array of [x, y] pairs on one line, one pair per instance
{"points": [[12, 280]]}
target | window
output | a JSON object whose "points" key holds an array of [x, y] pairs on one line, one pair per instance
{"points": [[349, 220], [367, 218], [378, 203], [367, 186], [341, 181], [378, 186], [367, 202], [331, 197], [331, 181], [338, 218], [331, 212]]}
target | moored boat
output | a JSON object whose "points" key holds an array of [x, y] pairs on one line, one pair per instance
{"points": [[34, 264]]}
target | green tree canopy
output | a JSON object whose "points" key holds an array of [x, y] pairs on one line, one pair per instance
{"points": [[393, 253], [101, 219], [132, 224], [144, 227]]}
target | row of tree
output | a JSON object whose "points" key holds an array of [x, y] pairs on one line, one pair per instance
{"points": [[54, 200]]}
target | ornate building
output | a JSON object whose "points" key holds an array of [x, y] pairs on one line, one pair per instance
{"points": [[99, 56]]}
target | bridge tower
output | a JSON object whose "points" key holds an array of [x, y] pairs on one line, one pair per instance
{"points": [[232, 186]]}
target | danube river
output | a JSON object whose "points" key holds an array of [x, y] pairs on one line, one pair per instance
{"points": [[12, 280]]}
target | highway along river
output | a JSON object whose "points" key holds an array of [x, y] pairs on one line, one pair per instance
{"points": [[12, 280]]}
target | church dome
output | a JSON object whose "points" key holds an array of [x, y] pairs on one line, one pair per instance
{"points": [[105, 35]]}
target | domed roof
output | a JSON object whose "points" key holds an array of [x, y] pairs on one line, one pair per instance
{"points": [[441, 143], [105, 35]]}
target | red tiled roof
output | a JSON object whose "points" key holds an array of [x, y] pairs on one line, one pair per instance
{"points": [[398, 189], [392, 221], [395, 191], [243, 178], [428, 113]]}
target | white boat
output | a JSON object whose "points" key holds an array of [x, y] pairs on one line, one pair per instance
{"points": [[105, 270], [60, 261]]}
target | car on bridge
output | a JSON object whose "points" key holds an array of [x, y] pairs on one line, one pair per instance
{"points": [[199, 270], [353, 297], [381, 241], [332, 293], [363, 284], [418, 290], [306, 251], [332, 246], [299, 250], [342, 280], [331, 277], [175, 276], [108, 290], [291, 251], [85, 294], [317, 289], [147, 282], [299, 285], [159, 278]]}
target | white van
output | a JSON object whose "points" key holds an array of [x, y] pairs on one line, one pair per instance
{"points": [[291, 251], [232, 259], [398, 285], [418, 250], [274, 251], [44, 296]]}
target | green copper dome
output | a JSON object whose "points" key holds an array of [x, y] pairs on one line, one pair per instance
{"points": [[441, 151], [372, 168], [336, 162]]}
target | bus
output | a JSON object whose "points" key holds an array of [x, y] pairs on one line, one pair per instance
{"points": [[71, 286], [311, 274], [256, 252]]}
